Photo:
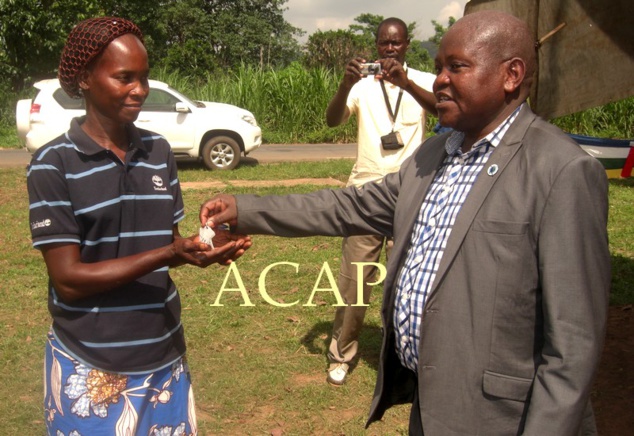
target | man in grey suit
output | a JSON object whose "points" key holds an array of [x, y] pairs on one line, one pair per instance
{"points": [[496, 296]]}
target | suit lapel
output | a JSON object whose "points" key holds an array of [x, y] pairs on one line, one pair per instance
{"points": [[501, 156]]}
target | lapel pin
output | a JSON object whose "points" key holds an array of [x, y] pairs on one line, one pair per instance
{"points": [[492, 170]]}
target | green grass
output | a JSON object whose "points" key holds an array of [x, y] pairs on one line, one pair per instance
{"points": [[613, 120], [255, 369], [338, 169], [621, 234]]}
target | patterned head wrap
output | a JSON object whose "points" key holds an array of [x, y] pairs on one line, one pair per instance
{"points": [[87, 39]]}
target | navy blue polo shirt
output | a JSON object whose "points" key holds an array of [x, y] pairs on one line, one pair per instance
{"points": [[80, 193]]}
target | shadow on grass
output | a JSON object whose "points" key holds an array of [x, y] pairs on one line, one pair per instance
{"points": [[317, 340], [622, 291], [197, 164]]}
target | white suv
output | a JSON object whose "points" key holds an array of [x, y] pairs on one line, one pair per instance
{"points": [[216, 132]]}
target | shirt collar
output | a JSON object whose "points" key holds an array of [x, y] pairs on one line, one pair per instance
{"points": [[88, 146], [456, 138]]}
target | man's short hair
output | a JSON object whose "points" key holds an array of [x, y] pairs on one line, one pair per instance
{"points": [[394, 21]]}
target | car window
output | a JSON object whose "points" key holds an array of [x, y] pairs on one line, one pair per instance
{"points": [[160, 101], [68, 102]]}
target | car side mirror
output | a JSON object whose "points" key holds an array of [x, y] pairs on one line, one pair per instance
{"points": [[181, 107]]}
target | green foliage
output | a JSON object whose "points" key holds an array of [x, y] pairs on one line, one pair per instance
{"points": [[8, 101], [440, 30], [369, 25], [203, 36], [33, 32], [32, 35], [289, 103], [191, 36], [613, 120], [333, 49], [419, 58], [252, 32]]}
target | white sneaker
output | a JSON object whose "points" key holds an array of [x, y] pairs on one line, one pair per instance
{"points": [[337, 375]]}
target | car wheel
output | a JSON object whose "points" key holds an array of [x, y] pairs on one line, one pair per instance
{"points": [[221, 153]]}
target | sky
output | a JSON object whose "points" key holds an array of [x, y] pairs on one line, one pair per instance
{"points": [[313, 15]]}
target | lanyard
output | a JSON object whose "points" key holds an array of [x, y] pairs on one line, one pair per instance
{"points": [[389, 106]]}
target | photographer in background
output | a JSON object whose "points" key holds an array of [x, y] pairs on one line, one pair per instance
{"points": [[390, 109]]}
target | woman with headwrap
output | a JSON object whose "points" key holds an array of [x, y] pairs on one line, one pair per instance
{"points": [[105, 203]]}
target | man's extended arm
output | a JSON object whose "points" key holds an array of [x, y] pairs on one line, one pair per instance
{"points": [[341, 212]]}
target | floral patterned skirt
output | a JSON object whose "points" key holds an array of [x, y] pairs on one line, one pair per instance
{"points": [[80, 400]]}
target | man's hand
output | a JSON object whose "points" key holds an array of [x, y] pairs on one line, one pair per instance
{"points": [[224, 237], [218, 210], [353, 73], [227, 248], [392, 71]]}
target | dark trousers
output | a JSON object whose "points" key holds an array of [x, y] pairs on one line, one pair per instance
{"points": [[415, 420]]}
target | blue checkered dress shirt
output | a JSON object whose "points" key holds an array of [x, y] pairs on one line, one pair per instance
{"points": [[432, 228]]}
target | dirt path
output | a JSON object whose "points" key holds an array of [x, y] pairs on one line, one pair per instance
{"points": [[261, 183]]}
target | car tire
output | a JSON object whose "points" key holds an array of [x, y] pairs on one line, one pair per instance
{"points": [[221, 153]]}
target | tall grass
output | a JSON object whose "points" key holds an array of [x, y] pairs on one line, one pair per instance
{"points": [[8, 101], [289, 104], [613, 120]]}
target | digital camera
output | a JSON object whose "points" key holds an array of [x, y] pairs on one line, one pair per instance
{"points": [[371, 69], [392, 141]]}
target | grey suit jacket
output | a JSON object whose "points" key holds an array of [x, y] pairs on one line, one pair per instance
{"points": [[514, 325]]}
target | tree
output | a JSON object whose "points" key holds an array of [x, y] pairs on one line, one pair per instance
{"points": [[335, 48], [32, 36], [332, 49], [252, 32], [192, 36], [440, 30], [368, 26], [210, 35], [185, 45], [33, 32], [418, 57]]}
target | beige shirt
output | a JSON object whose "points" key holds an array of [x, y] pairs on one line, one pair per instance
{"points": [[366, 101]]}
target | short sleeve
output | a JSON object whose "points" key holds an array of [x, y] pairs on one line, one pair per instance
{"points": [[51, 215]]}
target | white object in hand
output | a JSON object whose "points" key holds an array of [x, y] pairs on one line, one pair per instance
{"points": [[206, 235]]}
